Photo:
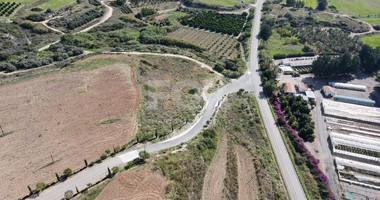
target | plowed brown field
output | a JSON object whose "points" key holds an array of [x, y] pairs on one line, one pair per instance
{"points": [[58, 116], [131, 185]]}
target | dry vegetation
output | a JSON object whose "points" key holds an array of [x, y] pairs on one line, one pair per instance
{"points": [[135, 185], [251, 170], [79, 112], [158, 6], [59, 116], [220, 44]]}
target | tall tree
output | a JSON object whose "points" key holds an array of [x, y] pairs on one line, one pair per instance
{"points": [[266, 31], [290, 2], [322, 4]]}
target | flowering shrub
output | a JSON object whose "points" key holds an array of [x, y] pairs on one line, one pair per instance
{"points": [[300, 147]]}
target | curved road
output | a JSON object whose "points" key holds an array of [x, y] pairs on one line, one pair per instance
{"points": [[105, 17], [249, 81]]}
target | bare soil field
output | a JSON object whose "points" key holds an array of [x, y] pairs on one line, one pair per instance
{"points": [[59, 116], [246, 170], [132, 185], [213, 183], [219, 44]]}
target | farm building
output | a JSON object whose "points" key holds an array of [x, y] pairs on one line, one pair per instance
{"points": [[351, 111], [302, 87], [298, 62], [289, 88], [310, 95], [354, 100], [286, 70], [328, 91], [348, 86]]}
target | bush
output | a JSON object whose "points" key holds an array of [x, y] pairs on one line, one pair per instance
{"points": [[144, 155], [36, 9], [35, 17], [84, 19], [115, 170], [69, 194], [67, 172], [103, 156], [40, 186]]}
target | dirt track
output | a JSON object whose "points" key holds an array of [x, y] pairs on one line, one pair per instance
{"points": [[59, 115], [131, 185]]}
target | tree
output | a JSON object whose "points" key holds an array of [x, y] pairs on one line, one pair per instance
{"points": [[322, 4], [103, 156], [265, 32], [40, 186], [115, 170], [144, 155], [69, 194], [290, 3], [67, 172], [120, 2]]}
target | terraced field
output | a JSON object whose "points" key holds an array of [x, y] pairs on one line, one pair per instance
{"points": [[219, 44]]}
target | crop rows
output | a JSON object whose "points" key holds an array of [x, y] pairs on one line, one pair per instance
{"points": [[220, 44], [358, 151], [7, 8]]}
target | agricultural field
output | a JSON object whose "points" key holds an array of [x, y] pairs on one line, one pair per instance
{"points": [[221, 23], [93, 106], [308, 3], [348, 24], [357, 7], [71, 115], [141, 184], [283, 45], [220, 44], [221, 3], [372, 40], [7, 8]]}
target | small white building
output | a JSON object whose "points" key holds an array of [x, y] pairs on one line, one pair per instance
{"points": [[286, 69], [310, 95], [302, 87]]}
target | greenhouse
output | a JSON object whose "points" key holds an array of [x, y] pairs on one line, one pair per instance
{"points": [[348, 86], [358, 141], [351, 111], [355, 100]]}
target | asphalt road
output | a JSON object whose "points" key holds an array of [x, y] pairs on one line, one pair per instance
{"points": [[249, 81]]}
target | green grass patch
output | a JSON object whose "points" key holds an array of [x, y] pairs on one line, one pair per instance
{"points": [[373, 21], [372, 40], [222, 3], [176, 15], [311, 3], [278, 45], [55, 4], [357, 7]]}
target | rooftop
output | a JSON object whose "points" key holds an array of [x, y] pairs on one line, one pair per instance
{"points": [[328, 89], [289, 88]]}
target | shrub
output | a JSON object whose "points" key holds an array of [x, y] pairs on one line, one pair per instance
{"points": [[35, 17], [40, 186], [36, 9], [103, 156], [67, 172], [69, 194], [115, 170], [144, 155]]}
